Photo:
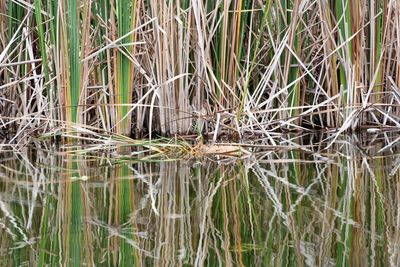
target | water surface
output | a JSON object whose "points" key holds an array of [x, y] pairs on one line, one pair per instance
{"points": [[300, 206]]}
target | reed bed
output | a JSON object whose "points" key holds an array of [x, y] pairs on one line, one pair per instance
{"points": [[239, 67], [303, 207]]}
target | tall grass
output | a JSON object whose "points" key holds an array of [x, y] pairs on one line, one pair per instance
{"points": [[170, 67]]}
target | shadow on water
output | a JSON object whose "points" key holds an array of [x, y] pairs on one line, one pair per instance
{"points": [[302, 207]]}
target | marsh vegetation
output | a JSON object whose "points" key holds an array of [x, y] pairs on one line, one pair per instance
{"points": [[241, 67], [199, 133]]}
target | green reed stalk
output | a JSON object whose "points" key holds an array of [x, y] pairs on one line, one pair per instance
{"points": [[378, 41], [42, 46], [291, 70], [243, 27], [343, 17], [103, 10], [255, 50], [73, 93], [294, 91], [15, 16], [126, 20], [51, 45]]}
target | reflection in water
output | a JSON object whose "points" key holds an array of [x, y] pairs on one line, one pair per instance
{"points": [[301, 207]]}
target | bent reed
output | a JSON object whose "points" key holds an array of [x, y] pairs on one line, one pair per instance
{"points": [[176, 67]]}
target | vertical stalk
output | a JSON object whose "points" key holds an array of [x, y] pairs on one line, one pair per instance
{"points": [[125, 19], [74, 61]]}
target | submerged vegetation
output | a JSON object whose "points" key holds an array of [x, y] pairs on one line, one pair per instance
{"points": [[176, 67]]}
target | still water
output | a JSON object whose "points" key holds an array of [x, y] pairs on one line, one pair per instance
{"points": [[303, 205]]}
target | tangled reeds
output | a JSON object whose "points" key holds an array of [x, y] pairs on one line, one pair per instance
{"points": [[175, 67]]}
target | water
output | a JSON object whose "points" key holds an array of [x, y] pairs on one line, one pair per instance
{"points": [[304, 206]]}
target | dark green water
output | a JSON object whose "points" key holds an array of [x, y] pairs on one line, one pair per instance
{"points": [[305, 206]]}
